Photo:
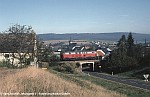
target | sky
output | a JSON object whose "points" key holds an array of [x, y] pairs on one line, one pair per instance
{"points": [[77, 16]]}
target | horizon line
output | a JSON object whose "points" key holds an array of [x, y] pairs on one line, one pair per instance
{"points": [[91, 32]]}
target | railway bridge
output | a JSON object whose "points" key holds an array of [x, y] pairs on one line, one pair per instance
{"points": [[92, 64]]}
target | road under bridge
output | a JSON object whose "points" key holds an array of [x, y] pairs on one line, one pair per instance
{"points": [[91, 64]]}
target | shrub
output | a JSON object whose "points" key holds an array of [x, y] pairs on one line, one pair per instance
{"points": [[77, 65], [65, 67], [118, 60], [28, 61], [5, 64]]}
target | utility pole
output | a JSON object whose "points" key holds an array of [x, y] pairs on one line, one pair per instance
{"points": [[145, 47], [70, 44], [145, 43], [35, 51]]}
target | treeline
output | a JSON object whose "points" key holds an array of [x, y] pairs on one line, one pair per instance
{"points": [[128, 55]]}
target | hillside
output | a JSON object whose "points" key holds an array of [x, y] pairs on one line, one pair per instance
{"points": [[32, 80], [93, 36]]}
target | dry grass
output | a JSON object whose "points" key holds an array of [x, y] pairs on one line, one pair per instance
{"points": [[32, 80]]}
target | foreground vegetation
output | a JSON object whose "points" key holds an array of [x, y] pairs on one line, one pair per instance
{"points": [[137, 73], [32, 80], [113, 86], [80, 79], [77, 84]]}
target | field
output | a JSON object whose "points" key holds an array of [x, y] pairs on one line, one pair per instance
{"points": [[66, 42], [33, 80]]}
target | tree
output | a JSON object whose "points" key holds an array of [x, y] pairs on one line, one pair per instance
{"points": [[45, 54], [121, 61], [130, 45], [122, 44], [119, 57], [19, 40]]}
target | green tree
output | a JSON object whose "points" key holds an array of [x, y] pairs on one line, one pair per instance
{"points": [[45, 53], [122, 45], [130, 45], [19, 41], [121, 61], [138, 52], [119, 57]]}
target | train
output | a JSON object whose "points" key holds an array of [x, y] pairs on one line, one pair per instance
{"points": [[82, 55]]}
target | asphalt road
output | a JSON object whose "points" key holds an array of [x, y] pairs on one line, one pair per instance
{"points": [[131, 82]]}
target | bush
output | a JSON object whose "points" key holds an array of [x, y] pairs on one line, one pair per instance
{"points": [[28, 61], [65, 68], [77, 65], [118, 60], [5, 64], [43, 64], [145, 60]]}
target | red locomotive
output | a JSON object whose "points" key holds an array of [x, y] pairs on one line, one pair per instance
{"points": [[79, 55]]}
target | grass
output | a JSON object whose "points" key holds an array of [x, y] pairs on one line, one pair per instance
{"points": [[81, 79], [120, 88], [136, 73], [33, 80]]}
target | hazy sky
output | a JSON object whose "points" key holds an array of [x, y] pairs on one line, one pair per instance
{"points": [[63, 16]]}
